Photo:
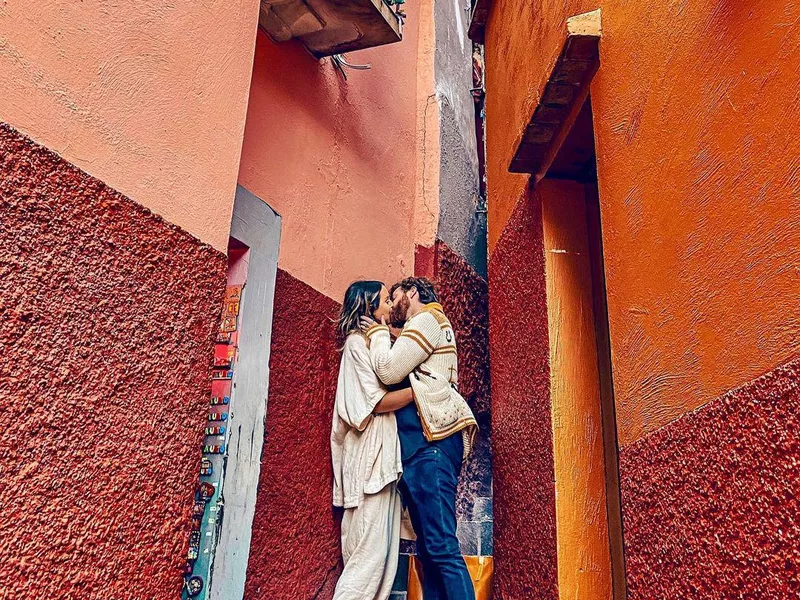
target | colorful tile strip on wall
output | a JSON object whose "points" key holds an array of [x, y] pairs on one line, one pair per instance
{"points": [[208, 501]]}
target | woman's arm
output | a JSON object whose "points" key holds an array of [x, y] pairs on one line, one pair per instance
{"points": [[394, 401]]}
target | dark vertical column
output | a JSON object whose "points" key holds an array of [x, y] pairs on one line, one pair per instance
{"points": [[600, 308]]}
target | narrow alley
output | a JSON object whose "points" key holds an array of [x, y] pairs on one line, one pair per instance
{"points": [[605, 197]]}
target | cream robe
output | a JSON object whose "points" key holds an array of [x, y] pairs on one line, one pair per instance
{"points": [[365, 450]]}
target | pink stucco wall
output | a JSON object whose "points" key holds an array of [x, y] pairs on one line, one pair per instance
{"points": [[336, 159], [149, 97]]}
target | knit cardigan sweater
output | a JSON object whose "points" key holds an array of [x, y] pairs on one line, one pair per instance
{"points": [[426, 351]]}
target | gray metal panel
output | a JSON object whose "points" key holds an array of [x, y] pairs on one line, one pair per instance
{"points": [[257, 226]]}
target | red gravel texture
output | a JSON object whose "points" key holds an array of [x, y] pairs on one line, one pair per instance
{"points": [[295, 550], [107, 315], [710, 501], [524, 490]]}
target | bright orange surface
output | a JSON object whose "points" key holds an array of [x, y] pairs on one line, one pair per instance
{"points": [[695, 109], [336, 159], [584, 560], [147, 96]]}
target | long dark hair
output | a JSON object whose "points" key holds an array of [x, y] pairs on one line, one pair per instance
{"points": [[360, 300]]}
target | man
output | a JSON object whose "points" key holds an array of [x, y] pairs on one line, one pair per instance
{"points": [[436, 430]]}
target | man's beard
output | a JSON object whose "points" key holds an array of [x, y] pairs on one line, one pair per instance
{"points": [[399, 312]]}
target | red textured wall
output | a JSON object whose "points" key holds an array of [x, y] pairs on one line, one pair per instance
{"points": [[524, 494], [106, 321], [464, 296], [710, 501], [295, 550]]}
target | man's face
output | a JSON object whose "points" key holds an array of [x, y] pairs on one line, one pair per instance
{"points": [[401, 303]]}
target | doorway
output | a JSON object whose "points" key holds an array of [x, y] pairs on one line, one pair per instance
{"points": [[588, 515], [222, 517]]}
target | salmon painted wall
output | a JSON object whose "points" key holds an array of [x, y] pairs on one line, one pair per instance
{"points": [[149, 97], [337, 159], [698, 177]]}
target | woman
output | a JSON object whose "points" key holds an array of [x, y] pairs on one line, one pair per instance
{"points": [[366, 454]]}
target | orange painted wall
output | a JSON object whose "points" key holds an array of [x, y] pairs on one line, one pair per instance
{"points": [[695, 108], [337, 159], [584, 560], [148, 96]]}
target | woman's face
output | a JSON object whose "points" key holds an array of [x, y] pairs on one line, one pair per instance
{"points": [[384, 306]]}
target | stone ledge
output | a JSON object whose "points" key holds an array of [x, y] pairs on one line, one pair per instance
{"points": [[327, 27], [563, 96]]}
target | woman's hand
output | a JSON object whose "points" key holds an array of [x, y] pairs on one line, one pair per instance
{"points": [[367, 322]]}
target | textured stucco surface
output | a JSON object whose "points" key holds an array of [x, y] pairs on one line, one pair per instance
{"points": [[295, 552], [710, 501], [107, 315], [697, 166], [148, 96], [524, 493], [460, 226], [584, 561], [336, 159], [464, 296]]}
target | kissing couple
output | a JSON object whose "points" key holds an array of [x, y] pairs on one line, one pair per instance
{"points": [[399, 436]]}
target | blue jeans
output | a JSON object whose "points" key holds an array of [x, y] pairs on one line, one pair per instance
{"points": [[428, 487]]}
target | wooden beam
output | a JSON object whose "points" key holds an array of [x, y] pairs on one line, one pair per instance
{"points": [[563, 96]]}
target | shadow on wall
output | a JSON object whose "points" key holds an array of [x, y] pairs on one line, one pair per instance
{"points": [[356, 116]]}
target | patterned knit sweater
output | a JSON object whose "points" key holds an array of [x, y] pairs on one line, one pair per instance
{"points": [[426, 350]]}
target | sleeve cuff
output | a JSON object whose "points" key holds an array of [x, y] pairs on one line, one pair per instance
{"points": [[375, 329]]}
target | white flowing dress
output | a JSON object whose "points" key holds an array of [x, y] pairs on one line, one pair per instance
{"points": [[365, 450]]}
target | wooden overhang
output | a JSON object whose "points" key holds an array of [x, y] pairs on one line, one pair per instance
{"points": [[564, 95], [327, 27]]}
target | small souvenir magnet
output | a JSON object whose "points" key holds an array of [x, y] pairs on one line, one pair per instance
{"points": [[228, 324], [215, 431], [206, 491], [233, 293], [223, 337], [217, 416], [213, 449], [217, 400], [232, 308], [194, 585]]}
